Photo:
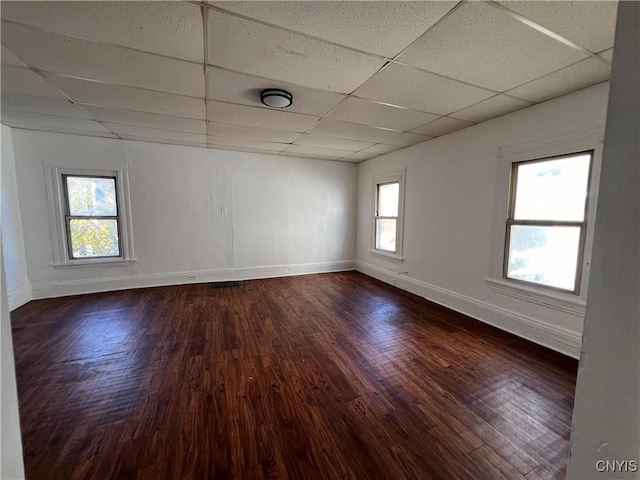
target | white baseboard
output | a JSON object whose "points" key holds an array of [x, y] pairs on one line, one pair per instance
{"points": [[16, 297], [554, 337], [77, 287]]}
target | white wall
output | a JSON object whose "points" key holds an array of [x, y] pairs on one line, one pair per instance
{"points": [[11, 464], [449, 210], [606, 418], [12, 237], [12, 261], [284, 215]]}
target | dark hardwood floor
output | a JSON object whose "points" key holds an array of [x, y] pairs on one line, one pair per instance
{"points": [[333, 376]]}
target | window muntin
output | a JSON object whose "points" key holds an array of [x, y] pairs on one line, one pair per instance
{"points": [[91, 216], [386, 218], [547, 221]]}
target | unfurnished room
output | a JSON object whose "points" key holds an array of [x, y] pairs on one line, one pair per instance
{"points": [[320, 240]]}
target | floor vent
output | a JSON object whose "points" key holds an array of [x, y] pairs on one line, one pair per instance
{"points": [[227, 284]]}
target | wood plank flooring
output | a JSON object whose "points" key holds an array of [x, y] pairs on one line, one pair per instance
{"points": [[332, 376]]}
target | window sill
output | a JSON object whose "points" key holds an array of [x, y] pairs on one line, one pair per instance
{"points": [[388, 256], [557, 300], [95, 263]]}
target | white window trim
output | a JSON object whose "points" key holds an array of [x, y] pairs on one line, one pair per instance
{"points": [[548, 147], [61, 258], [388, 177]]}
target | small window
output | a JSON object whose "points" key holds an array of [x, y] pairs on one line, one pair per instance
{"points": [[91, 216], [387, 216], [388, 190], [546, 227]]}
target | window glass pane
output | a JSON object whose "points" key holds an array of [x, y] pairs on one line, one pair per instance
{"points": [[544, 255], [92, 196], [552, 189], [388, 195], [94, 238], [386, 234]]}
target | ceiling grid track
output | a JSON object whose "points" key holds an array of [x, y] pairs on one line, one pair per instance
{"points": [[205, 57]]}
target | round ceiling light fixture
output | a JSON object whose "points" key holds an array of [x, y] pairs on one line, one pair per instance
{"points": [[276, 98]]}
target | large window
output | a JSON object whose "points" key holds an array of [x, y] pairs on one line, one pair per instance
{"points": [[91, 216], [546, 228], [388, 202]]}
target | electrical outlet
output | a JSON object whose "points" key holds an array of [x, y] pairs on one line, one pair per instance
{"points": [[193, 277]]}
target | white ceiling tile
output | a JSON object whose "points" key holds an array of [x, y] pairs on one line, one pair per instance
{"points": [[43, 120], [321, 152], [257, 49], [352, 131], [118, 96], [71, 131], [168, 28], [406, 139], [47, 105], [157, 133], [252, 133], [607, 54], [384, 28], [259, 117], [8, 58], [589, 24], [151, 120], [357, 110], [21, 80], [490, 108], [243, 142], [419, 90], [381, 148], [107, 63], [164, 141], [331, 142], [581, 75], [442, 126], [359, 157], [245, 89], [484, 46]]}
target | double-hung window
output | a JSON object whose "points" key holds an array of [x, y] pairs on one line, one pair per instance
{"points": [[388, 203], [547, 222], [91, 216], [387, 216]]}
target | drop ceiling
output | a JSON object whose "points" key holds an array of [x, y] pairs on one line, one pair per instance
{"points": [[367, 78]]}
